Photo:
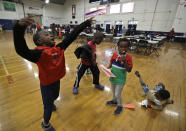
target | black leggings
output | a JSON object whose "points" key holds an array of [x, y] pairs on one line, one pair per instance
{"points": [[81, 70]]}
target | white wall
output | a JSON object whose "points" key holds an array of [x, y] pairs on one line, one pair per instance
{"points": [[148, 18], [143, 12], [51, 13], [168, 13], [67, 11], [10, 14], [180, 19]]}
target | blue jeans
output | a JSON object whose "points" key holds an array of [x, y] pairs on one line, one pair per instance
{"points": [[116, 91], [49, 94], [146, 88]]}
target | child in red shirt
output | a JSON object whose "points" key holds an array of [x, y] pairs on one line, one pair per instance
{"points": [[84, 65], [49, 58]]}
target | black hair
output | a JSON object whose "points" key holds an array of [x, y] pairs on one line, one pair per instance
{"points": [[164, 94], [98, 35], [123, 40], [36, 37]]}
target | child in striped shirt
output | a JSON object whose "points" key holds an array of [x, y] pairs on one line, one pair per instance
{"points": [[120, 64]]}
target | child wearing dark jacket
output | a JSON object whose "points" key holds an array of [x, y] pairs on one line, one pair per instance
{"points": [[89, 62]]}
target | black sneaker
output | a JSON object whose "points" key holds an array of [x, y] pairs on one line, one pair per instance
{"points": [[111, 103], [47, 128], [118, 110], [54, 107]]}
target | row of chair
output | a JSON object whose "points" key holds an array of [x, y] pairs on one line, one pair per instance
{"points": [[144, 47]]}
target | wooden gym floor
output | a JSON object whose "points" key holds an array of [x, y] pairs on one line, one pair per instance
{"points": [[21, 107]]}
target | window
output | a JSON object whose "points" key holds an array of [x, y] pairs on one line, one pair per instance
{"points": [[133, 22], [128, 7], [102, 7], [115, 9]]}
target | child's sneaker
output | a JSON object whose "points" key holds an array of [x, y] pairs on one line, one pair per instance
{"points": [[75, 91], [54, 107], [118, 110], [99, 87], [111, 103], [137, 73], [48, 127]]}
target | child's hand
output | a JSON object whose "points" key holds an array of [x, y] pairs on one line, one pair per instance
{"points": [[92, 21], [26, 21], [137, 73], [147, 106], [123, 58], [109, 66]]}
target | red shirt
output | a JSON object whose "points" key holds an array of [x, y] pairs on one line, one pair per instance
{"points": [[59, 32], [171, 33], [93, 50], [128, 59], [38, 27], [51, 65]]}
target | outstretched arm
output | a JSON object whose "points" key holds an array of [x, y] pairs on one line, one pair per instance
{"points": [[139, 76], [20, 43], [73, 35]]}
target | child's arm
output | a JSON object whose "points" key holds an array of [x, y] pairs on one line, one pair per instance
{"points": [[110, 65], [20, 43], [73, 35], [169, 101], [128, 68], [127, 64], [111, 60]]}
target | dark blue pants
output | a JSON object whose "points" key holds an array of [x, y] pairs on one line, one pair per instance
{"points": [[49, 94]]}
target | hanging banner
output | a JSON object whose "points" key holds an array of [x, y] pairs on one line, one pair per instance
{"points": [[92, 13], [9, 6], [73, 10]]}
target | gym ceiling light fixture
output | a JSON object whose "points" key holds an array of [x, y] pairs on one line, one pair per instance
{"points": [[47, 1]]}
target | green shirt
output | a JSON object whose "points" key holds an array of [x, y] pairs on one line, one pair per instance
{"points": [[118, 68]]}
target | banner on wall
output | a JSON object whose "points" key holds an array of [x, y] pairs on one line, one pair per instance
{"points": [[73, 10], [96, 12], [33, 8], [9, 6]]}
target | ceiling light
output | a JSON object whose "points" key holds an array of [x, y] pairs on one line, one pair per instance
{"points": [[47, 1]]}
